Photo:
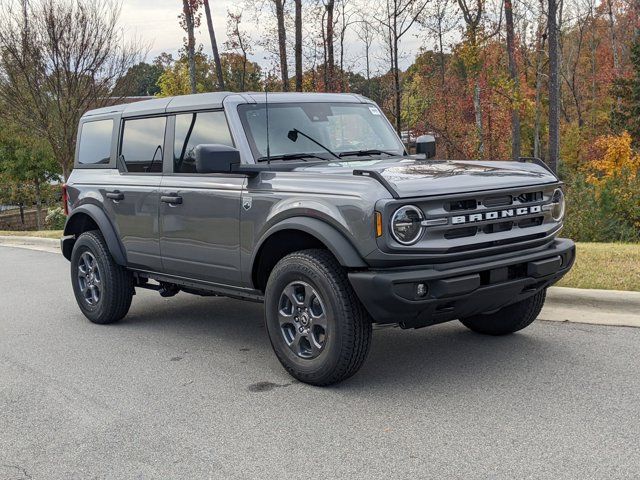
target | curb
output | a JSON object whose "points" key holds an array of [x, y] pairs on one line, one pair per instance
{"points": [[597, 307], [51, 245], [622, 301], [563, 304]]}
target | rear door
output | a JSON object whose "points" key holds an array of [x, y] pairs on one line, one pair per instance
{"points": [[199, 213], [132, 203]]}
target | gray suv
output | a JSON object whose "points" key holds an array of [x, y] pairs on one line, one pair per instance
{"points": [[310, 204]]}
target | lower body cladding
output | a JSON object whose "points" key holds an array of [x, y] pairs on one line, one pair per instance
{"points": [[415, 298]]}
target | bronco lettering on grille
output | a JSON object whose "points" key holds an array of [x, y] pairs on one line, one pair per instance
{"points": [[497, 215]]}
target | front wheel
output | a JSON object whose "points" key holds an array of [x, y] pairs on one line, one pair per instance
{"points": [[103, 289], [318, 328], [509, 319]]}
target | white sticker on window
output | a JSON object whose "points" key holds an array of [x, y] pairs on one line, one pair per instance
{"points": [[374, 110]]}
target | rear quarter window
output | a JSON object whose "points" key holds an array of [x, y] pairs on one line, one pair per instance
{"points": [[95, 142]]}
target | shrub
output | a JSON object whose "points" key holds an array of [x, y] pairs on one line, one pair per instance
{"points": [[604, 211], [55, 218]]}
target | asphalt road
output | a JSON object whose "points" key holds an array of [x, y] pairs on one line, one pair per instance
{"points": [[189, 388]]}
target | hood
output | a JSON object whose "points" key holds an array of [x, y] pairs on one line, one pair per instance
{"points": [[419, 178]]}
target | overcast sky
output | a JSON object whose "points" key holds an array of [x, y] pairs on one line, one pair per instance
{"points": [[156, 23]]}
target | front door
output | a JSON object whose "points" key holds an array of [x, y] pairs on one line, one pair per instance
{"points": [[200, 213]]}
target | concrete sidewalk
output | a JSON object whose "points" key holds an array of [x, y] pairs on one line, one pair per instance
{"points": [[598, 307]]}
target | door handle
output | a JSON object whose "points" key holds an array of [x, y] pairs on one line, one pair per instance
{"points": [[115, 195], [171, 199]]}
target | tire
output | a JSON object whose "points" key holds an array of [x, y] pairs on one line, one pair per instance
{"points": [[336, 329], [508, 320], [93, 268]]}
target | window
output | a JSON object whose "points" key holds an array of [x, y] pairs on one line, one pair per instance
{"points": [[193, 129], [142, 142], [95, 142]]}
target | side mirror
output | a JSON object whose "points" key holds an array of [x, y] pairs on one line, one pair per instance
{"points": [[216, 158], [426, 144]]}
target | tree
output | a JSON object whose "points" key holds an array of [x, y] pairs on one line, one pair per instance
{"points": [[188, 19], [554, 87], [214, 45], [176, 78], [298, 44], [366, 33], [240, 75], [614, 41], [439, 22], [345, 18], [140, 80], [64, 61], [238, 41], [282, 44], [397, 17], [330, 62], [513, 73], [626, 115], [472, 18], [26, 165], [539, 57]]}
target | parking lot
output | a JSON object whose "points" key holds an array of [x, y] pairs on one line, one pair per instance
{"points": [[188, 387]]}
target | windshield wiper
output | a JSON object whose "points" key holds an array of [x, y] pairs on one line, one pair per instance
{"points": [[293, 136], [362, 153], [291, 156]]}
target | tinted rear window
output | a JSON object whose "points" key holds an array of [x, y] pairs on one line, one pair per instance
{"points": [[142, 141], [95, 142]]}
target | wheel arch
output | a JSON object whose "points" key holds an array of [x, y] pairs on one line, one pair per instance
{"points": [[295, 234], [91, 217]]}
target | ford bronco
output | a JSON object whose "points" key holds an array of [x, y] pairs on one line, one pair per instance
{"points": [[311, 204]]}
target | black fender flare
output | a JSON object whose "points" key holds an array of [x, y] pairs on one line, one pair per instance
{"points": [[100, 218], [338, 245]]}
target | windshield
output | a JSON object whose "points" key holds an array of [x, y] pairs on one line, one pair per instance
{"points": [[340, 127]]}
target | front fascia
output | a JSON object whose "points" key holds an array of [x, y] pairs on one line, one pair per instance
{"points": [[468, 225]]}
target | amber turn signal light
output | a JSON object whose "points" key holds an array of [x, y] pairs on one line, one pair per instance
{"points": [[378, 224]]}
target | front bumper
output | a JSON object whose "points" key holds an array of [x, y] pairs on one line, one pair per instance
{"points": [[456, 290]]}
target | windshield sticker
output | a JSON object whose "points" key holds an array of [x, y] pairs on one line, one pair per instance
{"points": [[374, 110]]}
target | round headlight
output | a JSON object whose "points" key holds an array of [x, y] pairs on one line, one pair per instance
{"points": [[557, 205], [406, 225]]}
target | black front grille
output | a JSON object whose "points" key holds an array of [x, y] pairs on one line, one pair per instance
{"points": [[530, 222], [475, 221], [492, 202], [498, 227], [460, 232], [530, 197], [495, 243], [459, 205]]}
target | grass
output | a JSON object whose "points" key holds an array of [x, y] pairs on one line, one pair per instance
{"points": [[33, 233], [607, 266]]}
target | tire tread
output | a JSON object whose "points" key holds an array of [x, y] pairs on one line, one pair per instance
{"points": [[356, 321], [118, 284]]}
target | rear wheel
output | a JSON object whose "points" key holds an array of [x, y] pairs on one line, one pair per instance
{"points": [[509, 319], [103, 289], [318, 328]]}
